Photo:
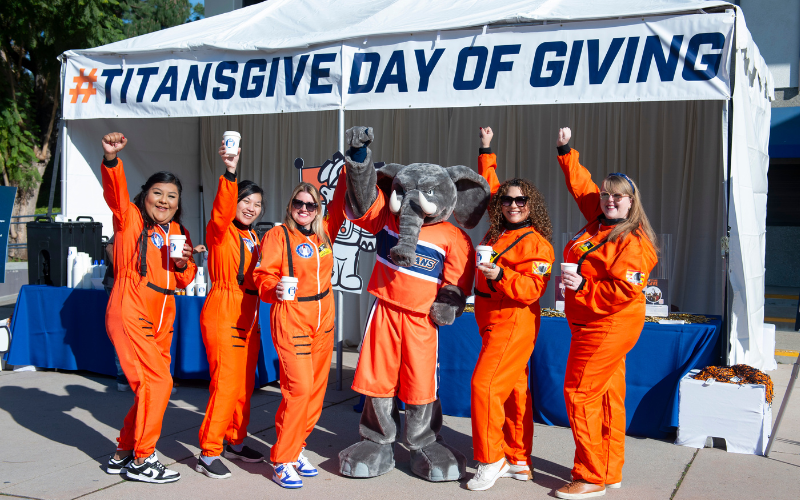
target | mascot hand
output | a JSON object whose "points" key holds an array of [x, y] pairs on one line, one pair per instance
{"points": [[449, 305], [358, 138]]}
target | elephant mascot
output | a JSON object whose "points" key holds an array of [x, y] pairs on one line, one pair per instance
{"points": [[423, 275]]}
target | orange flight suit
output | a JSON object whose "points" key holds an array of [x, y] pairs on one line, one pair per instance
{"points": [[229, 322], [508, 315], [302, 329], [141, 310], [606, 316]]}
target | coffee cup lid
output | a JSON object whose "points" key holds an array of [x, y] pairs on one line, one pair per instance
{"points": [[233, 133], [177, 236], [289, 279]]}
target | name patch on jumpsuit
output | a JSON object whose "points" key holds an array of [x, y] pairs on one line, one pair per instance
{"points": [[323, 250]]}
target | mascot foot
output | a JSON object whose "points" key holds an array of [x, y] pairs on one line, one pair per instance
{"points": [[438, 462], [366, 459]]}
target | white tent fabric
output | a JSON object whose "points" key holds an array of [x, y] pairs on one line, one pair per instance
{"points": [[297, 24]]}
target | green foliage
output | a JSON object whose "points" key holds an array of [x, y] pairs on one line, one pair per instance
{"points": [[146, 16], [16, 145]]}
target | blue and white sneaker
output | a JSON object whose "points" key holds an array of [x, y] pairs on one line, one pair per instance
{"points": [[304, 467], [285, 475]]}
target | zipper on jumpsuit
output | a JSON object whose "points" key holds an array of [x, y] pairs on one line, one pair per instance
{"points": [[319, 302]]}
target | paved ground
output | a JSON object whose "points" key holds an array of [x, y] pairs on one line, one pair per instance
{"points": [[57, 430]]}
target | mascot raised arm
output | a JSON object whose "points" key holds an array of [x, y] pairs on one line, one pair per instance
{"points": [[422, 278]]}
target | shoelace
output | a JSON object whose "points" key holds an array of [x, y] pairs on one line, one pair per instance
{"points": [[481, 471], [158, 466]]}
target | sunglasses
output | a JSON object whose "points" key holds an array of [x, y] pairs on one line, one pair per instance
{"points": [[617, 197], [520, 201], [310, 206]]}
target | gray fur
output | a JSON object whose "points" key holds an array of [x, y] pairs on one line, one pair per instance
{"points": [[449, 304], [374, 454], [473, 195], [431, 457]]}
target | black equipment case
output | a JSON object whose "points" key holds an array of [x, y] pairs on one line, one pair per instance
{"points": [[49, 242]]}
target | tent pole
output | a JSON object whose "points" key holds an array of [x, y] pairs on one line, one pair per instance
{"points": [[340, 294], [54, 177], [725, 355]]}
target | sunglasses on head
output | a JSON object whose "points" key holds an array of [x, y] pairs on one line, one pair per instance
{"points": [[520, 201], [310, 206]]}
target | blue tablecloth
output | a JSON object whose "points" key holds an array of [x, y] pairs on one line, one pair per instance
{"points": [[661, 357], [56, 327]]}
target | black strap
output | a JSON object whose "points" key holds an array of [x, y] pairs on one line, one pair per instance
{"points": [[509, 247], [313, 298], [481, 294], [289, 251], [240, 276], [160, 290], [583, 257], [251, 292], [143, 248]]}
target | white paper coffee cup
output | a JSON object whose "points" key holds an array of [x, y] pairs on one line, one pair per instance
{"points": [[190, 289], [201, 289], [484, 253], [231, 140], [289, 287], [566, 266], [176, 242]]}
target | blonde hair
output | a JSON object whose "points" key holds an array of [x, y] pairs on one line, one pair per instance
{"points": [[316, 224], [637, 221]]}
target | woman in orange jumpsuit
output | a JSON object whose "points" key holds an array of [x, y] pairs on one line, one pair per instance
{"points": [[141, 308], [229, 321], [302, 328], [605, 308], [507, 293]]}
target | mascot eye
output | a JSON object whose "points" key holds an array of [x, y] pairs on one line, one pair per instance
{"points": [[429, 192]]}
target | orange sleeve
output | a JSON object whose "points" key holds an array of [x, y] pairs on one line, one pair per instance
{"points": [[487, 167], [183, 278], [627, 277], [580, 185], [375, 218], [223, 211], [525, 281], [459, 264], [115, 192], [335, 210], [268, 274]]}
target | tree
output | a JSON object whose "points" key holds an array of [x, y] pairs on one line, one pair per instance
{"points": [[146, 16], [33, 33]]}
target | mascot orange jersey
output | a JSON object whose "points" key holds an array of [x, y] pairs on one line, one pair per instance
{"points": [[141, 310], [229, 322], [508, 314], [302, 329], [606, 316]]}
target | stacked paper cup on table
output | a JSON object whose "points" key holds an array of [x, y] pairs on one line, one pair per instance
{"points": [[199, 286], [81, 272]]}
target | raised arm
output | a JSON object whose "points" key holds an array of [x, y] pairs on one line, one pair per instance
{"points": [[579, 180], [335, 213], [115, 187], [362, 178], [224, 209], [487, 161]]}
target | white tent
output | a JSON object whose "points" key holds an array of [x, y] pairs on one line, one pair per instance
{"points": [[658, 87]]}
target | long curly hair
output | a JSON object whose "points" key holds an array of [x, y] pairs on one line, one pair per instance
{"points": [[537, 211]]}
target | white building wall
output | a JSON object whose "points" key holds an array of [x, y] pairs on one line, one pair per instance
{"points": [[775, 26]]}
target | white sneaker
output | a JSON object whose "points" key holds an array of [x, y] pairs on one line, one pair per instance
{"points": [[613, 486], [151, 471], [304, 467], [285, 475], [487, 474], [519, 472]]}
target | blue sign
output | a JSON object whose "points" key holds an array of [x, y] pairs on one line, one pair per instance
{"points": [[7, 196]]}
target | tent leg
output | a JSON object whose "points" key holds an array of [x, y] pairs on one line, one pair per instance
{"points": [[54, 178], [340, 295], [784, 404]]}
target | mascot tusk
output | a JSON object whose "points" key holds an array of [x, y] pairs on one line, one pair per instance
{"points": [[426, 206], [394, 203]]}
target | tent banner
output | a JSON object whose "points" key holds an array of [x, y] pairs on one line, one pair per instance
{"points": [[656, 59], [208, 83], [664, 58]]}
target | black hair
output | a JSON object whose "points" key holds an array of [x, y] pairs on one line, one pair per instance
{"points": [[246, 188], [159, 178]]}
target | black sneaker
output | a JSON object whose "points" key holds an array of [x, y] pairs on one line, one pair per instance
{"points": [[151, 471], [116, 466], [216, 470], [246, 455]]}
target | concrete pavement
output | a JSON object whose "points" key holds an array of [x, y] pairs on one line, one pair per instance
{"points": [[57, 430]]}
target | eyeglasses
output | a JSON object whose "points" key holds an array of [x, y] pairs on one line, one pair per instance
{"points": [[310, 206], [617, 197], [519, 201]]}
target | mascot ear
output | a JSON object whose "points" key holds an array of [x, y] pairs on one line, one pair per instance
{"points": [[386, 175], [472, 195]]}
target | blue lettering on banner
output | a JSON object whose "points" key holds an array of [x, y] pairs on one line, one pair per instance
{"points": [[690, 73], [245, 92], [374, 59], [654, 52], [555, 67], [230, 82], [293, 78], [482, 53], [574, 61], [390, 77], [426, 68], [169, 85], [145, 73], [317, 72], [627, 62], [200, 84], [273, 76], [498, 64], [597, 70], [123, 95], [110, 74]]}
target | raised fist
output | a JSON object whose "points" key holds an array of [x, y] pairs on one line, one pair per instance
{"points": [[486, 136], [359, 136], [564, 135], [229, 161], [113, 143]]}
